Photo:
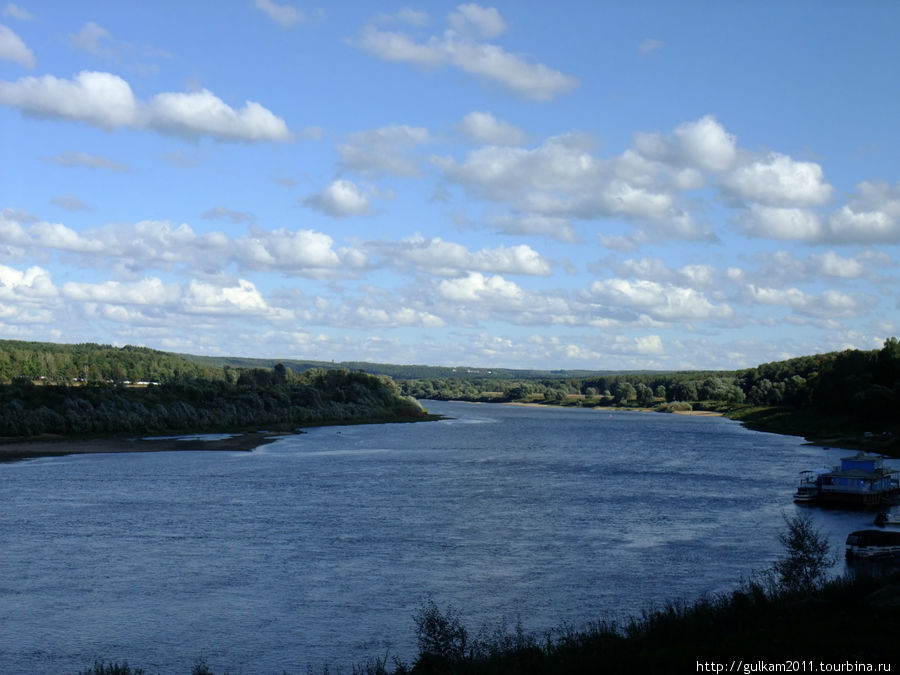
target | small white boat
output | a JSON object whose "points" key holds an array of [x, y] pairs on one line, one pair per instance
{"points": [[881, 545], [887, 519], [808, 488]]}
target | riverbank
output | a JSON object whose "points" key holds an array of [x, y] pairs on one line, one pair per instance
{"points": [[12, 450]]}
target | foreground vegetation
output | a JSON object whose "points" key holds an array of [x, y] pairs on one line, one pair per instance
{"points": [[790, 614]]}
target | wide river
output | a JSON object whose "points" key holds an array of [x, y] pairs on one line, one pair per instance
{"points": [[317, 549]]}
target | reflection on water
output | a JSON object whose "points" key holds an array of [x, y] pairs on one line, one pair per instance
{"points": [[317, 548]]}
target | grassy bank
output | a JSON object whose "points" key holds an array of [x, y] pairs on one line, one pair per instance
{"points": [[829, 430]]}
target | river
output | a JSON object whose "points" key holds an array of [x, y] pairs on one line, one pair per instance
{"points": [[316, 550]]}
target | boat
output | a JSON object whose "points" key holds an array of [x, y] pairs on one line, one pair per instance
{"points": [[887, 519], [881, 545], [861, 480], [808, 486]]}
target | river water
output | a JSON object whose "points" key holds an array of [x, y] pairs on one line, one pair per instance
{"points": [[317, 550]]}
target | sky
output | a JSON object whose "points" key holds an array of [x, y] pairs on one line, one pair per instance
{"points": [[567, 185]]}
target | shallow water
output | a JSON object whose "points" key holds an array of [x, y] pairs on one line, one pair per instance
{"points": [[317, 549]]}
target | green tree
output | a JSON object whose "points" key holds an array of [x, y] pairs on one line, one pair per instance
{"points": [[807, 555]]}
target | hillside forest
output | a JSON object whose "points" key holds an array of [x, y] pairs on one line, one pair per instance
{"points": [[93, 389]]}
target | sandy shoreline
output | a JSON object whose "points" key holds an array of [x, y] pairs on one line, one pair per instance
{"points": [[245, 442]]}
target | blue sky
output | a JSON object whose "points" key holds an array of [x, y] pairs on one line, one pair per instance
{"points": [[600, 185]]}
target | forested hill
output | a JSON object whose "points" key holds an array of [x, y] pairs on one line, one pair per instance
{"points": [[96, 389]]}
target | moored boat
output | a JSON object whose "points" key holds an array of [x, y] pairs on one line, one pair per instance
{"points": [[883, 545], [887, 519], [861, 480], [808, 487]]}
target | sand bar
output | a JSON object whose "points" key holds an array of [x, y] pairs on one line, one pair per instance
{"points": [[13, 450]]}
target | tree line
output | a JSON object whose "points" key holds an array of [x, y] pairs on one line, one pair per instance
{"points": [[864, 384], [185, 397]]}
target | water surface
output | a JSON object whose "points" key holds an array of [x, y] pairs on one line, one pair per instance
{"points": [[318, 548]]}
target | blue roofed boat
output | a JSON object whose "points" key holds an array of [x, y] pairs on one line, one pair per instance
{"points": [[861, 480]]}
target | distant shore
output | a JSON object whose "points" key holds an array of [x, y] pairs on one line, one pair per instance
{"points": [[697, 413], [55, 447]]}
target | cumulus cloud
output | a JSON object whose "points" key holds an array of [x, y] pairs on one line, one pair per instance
{"points": [[340, 199], [702, 144], [286, 15], [785, 224], [202, 113], [445, 258], [32, 284], [163, 245], [107, 101], [872, 217], [562, 179], [99, 99], [662, 302], [387, 150], [12, 48], [483, 128], [830, 304], [301, 251], [459, 47], [779, 181], [479, 289]]}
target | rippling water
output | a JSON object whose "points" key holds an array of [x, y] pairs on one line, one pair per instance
{"points": [[318, 548]]}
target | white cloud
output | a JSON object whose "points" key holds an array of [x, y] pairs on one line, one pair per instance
{"points": [[202, 113], [777, 180], [107, 101], [786, 224], [12, 48], [91, 38], [302, 251], [286, 15], [386, 150], [662, 302], [243, 299], [84, 159], [17, 12], [99, 99], [561, 179], [340, 199], [403, 316], [33, 284], [484, 20], [873, 217], [148, 291], [830, 304], [477, 288], [484, 128], [558, 228], [832, 265], [445, 258], [702, 144], [487, 61]]}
